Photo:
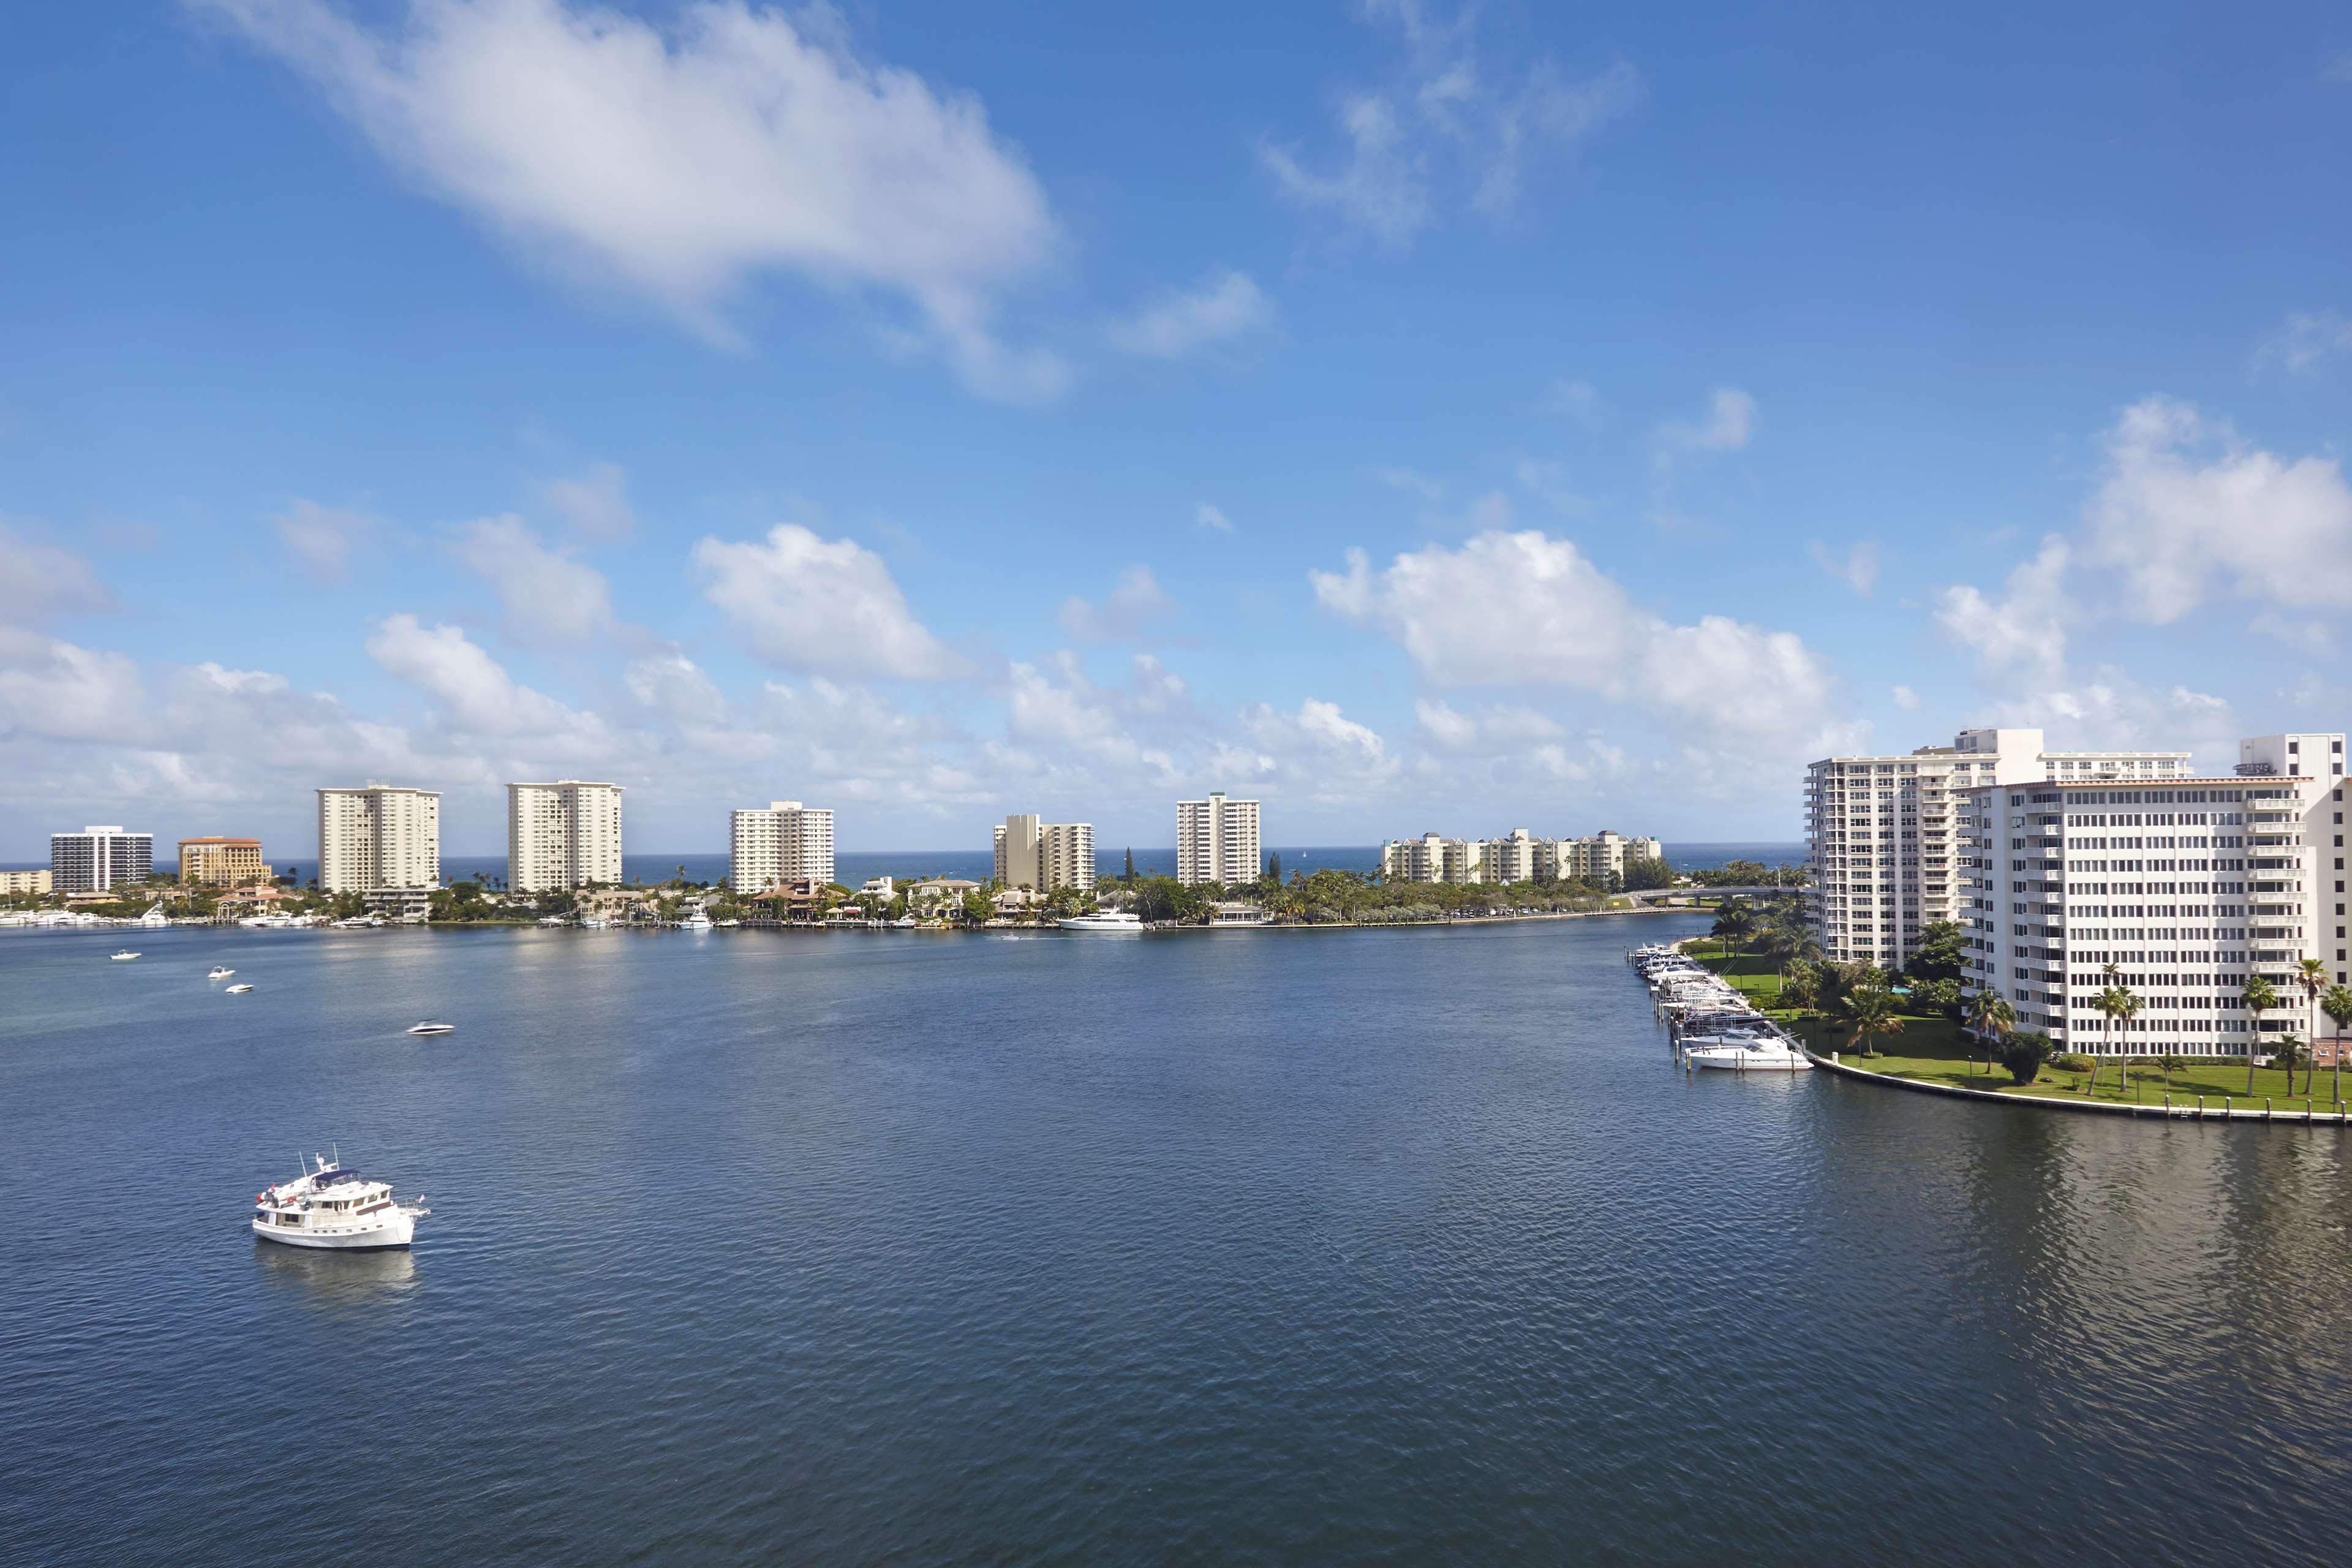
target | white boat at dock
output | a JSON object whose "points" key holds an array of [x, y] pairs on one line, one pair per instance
{"points": [[331, 1209], [1104, 923]]}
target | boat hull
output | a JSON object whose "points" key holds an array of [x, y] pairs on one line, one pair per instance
{"points": [[397, 1231]]}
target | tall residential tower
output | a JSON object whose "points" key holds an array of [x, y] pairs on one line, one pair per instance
{"points": [[379, 835], [1216, 840], [562, 835], [785, 842]]}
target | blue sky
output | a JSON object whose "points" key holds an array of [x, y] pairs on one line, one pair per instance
{"points": [[1417, 417]]}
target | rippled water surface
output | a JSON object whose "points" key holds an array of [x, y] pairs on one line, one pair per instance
{"points": [[1273, 1246]]}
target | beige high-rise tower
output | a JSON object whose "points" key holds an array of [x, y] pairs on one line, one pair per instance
{"points": [[1217, 840], [379, 835], [566, 834]]}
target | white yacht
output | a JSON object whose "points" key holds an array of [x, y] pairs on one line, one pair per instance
{"points": [[125, 956], [239, 989], [335, 1210], [1752, 1054], [696, 921], [220, 972], [429, 1027], [1106, 923]]}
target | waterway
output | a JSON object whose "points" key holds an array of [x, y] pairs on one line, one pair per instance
{"points": [[1281, 1247]]}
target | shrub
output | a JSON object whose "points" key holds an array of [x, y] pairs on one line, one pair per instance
{"points": [[2076, 1063], [2022, 1053]]}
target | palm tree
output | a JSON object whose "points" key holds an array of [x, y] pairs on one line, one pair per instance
{"points": [[1871, 1011], [2311, 977], [2115, 1002], [1732, 924], [2288, 1049], [1990, 1018], [2260, 996], [2337, 1003]]}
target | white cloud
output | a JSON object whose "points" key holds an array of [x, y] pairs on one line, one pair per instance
{"points": [[548, 597], [682, 164], [1227, 304], [1729, 426], [58, 691], [1315, 753], [596, 503], [2025, 631], [827, 606], [1411, 482], [2307, 338], [1857, 569], [323, 536], [1132, 603], [1527, 609], [1548, 482], [1454, 117], [1904, 698], [1212, 518], [476, 694], [1576, 399], [38, 582], [2188, 512]]}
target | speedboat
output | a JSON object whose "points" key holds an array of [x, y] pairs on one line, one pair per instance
{"points": [[429, 1027], [1106, 923], [1755, 1053], [239, 989], [220, 972], [335, 1210], [125, 956]]}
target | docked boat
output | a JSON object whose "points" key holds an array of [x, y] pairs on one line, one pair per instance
{"points": [[331, 1209], [430, 1027], [125, 956], [698, 921], [1104, 923], [239, 989], [1752, 1054], [220, 972]]}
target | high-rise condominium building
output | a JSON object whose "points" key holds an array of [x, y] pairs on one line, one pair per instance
{"points": [[1044, 855], [562, 835], [785, 842], [379, 835], [99, 858], [221, 863], [2185, 886], [1216, 840], [1883, 837]]}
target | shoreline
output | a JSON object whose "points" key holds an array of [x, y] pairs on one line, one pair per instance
{"points": [[1165, 928]]}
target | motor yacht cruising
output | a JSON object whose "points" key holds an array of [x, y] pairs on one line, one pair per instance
{"points": [[430, 1027], [239, 989], [331, 1209], [220, 972]]}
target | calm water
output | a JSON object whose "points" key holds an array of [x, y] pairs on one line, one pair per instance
{"points": [[1275, 1248]]}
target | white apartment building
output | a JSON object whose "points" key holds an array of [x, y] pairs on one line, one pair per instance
{"points": [[784, 843], [1217, 840], [562, 835], [1882, 836], [1044, 855], [2185, 885], [379, 835], [28, 881], [1517, 856], [1603, 856], [99, 858]]}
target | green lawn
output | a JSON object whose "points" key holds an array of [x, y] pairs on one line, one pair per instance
{"points": [[1933, 1050]]}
